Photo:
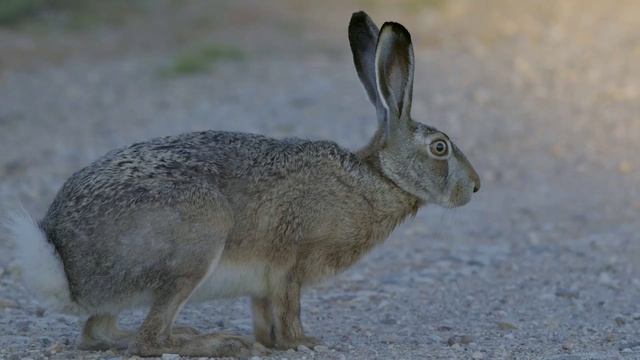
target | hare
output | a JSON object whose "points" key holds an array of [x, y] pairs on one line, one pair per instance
{"points": [[219, 214]]}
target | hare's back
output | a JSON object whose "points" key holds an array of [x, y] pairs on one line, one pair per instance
{"points": [[173, 169]]}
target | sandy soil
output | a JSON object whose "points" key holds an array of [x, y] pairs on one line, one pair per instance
{"points": [[543, 96]]}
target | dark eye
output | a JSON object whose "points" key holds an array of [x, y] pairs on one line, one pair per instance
{"points": [[439, 148]]}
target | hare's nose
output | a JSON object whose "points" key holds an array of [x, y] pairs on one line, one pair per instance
{"points": [[476, 187]]}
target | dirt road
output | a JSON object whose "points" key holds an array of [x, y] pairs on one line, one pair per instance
{"points": [[543, 97]]}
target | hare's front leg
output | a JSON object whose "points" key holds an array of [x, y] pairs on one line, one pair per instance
{"points": [[276, 319]]}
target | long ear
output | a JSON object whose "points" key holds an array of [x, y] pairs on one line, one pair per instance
{"points": [[363, 38], [394, 72]]}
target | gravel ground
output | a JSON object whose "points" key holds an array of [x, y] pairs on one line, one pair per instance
{"points": [[543, 96]]}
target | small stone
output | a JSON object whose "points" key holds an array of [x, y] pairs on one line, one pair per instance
{"points": [[477, 355], [626, 351], [635, 316], [40, 311], [459, 339], [567, 346], [503, 325], [568, 294], [610, 337], [321, 348], [303, 348], [444, 328], [7, 303], [606, 279], [255, 358], [55, 348], [170, 357], [456, 347], [388, 321], [619, 320]]}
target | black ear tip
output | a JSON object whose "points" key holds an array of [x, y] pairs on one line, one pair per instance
{"points": [[359, 17], [397, 29]]}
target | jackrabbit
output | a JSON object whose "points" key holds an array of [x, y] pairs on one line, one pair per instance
{"points": [[218, 214]]}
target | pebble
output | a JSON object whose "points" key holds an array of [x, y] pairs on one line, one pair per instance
{"points": [[626, 351], [459, 339], [170, 357], [567, 346], [619, 320], [255, 358], [321, 348], [303, 348], [7, 303], [606, 279], [55, 348], [40, 311], [477, 355], [568, 294], [635, 316], [504, 325]]}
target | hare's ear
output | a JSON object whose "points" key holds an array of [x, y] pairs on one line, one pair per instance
{"points": [[363, 38], [394, 72]]}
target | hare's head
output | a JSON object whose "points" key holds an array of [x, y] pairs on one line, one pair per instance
{"points": [[418, 158]]}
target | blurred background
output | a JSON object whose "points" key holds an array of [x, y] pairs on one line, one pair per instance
{"points": [[542, 96]]}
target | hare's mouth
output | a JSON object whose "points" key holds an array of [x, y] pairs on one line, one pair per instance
{"points": [[460, 195]]}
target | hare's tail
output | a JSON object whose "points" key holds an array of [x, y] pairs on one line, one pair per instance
{"points": [[39, 265]]}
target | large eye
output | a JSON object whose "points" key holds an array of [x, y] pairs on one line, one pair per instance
{"points": [[439, 148]]}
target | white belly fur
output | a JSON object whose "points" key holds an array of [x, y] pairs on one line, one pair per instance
{"points": [[229, 279]]}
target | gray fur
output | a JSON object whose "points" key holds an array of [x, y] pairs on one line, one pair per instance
{"points": [[150, 223]]}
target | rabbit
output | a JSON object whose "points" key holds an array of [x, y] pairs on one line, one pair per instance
{"points": [[216, 214]]}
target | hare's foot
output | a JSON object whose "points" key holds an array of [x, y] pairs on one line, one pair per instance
{"points": [[209, 345], [100, 332], [276, 318]]}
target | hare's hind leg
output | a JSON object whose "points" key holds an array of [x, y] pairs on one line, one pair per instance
{"points": [[100, 332], [196, 239], [156, 335]]}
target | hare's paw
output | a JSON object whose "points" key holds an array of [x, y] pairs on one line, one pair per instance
{"points": [[234, 346], [308, 341]]}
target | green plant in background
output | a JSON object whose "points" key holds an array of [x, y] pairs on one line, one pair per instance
{"points": [[14, 11], [71, 14], [201, 59]]}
